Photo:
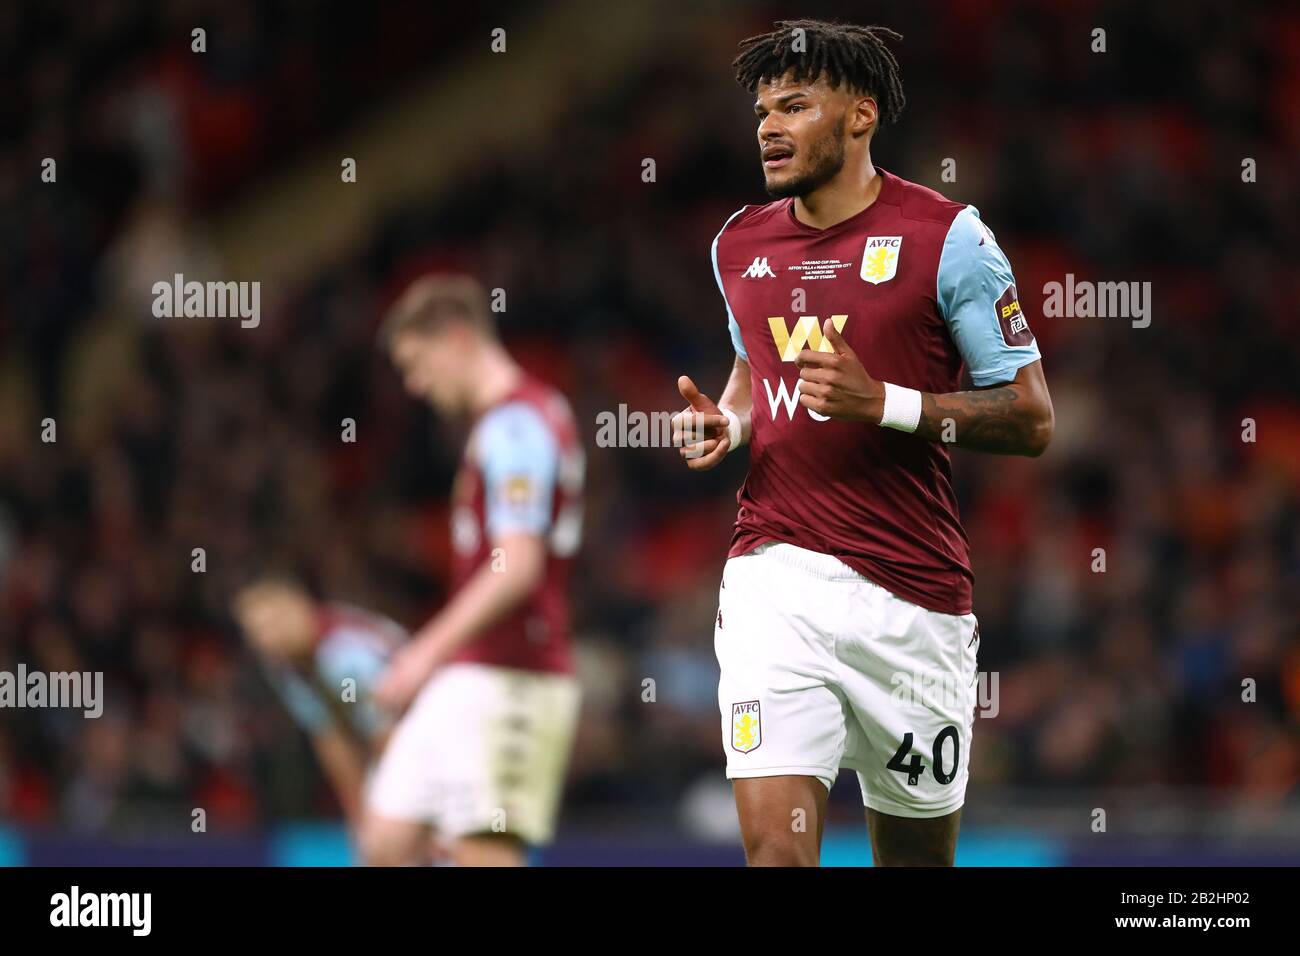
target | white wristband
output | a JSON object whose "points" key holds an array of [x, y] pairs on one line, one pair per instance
{"points": [[902, 408], [733, 429]]}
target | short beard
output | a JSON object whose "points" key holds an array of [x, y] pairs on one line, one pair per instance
{"points": [[826, 158]]}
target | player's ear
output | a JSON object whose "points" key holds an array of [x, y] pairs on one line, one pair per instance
{"points": [[865, 116]]}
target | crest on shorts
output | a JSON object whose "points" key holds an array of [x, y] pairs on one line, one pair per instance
{"points": [[746, 726]]}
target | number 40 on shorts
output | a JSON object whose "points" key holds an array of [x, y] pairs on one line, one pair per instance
{"points": [[914, 767]]}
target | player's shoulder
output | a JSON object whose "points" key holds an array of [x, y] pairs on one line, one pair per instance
{"points": [[749, 218], [921, 203], [534, 413], [347, 627], [515, 417], [550, 403]]}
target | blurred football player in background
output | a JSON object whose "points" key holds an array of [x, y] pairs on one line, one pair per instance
{"points": [[323, 659], [480, 756]]}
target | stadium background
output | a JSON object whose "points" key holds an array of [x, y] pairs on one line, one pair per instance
{"points": [[1118, 690]]}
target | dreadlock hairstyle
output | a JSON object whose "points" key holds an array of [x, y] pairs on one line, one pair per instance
{"points": [[853, 55]]}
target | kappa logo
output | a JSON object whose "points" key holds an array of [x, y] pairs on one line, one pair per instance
{"points": [[807, 331], [746, 726], [758, 269], [880, 258]]}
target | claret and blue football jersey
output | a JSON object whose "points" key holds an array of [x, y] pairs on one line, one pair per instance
{"points": [[920, 290]]}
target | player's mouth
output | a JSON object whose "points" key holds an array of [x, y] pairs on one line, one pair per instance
{"points": [[774, 156]]}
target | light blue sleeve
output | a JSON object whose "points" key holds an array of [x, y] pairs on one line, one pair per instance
{"points": [[361, 659], [520, 458], [975, 288], [732, 325]]}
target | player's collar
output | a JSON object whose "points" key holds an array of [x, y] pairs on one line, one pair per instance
{"points": [[885, 196]]}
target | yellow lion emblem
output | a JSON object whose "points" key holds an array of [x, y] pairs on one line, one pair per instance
{"points": [[746, 726], [878, 265]]}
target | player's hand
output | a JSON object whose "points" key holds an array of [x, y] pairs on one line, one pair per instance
{"points": [[700, 430], [836, 385], [407, 672]]}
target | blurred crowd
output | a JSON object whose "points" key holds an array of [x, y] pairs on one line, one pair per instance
{"points": [[1131, 585]]}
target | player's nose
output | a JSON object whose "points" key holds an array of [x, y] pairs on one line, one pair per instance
{"points": [[769, 128]]}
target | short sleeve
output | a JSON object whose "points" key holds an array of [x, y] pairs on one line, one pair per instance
{"points": [[732, 325], [519, 457], [979, 302], [359, 657]]}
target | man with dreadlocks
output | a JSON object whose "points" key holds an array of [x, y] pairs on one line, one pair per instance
{"points": [[857, 303]]}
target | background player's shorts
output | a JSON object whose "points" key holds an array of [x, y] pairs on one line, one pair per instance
{"points": [[823, 669], [482, 749]]}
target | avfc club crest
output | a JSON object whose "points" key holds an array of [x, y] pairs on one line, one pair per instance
{"points": [[880, 258], [746, 726]]}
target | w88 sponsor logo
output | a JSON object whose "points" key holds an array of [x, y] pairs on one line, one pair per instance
{"points": [[785, 397]]}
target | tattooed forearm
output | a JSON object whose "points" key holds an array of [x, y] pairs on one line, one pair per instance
{"points": [[1002, 420]]}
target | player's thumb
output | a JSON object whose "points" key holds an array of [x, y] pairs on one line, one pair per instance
{"points": [[694, 397], [837, 341]]}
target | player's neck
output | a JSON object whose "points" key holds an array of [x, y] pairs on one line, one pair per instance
{"points": [[497, 376], [850, 192]]}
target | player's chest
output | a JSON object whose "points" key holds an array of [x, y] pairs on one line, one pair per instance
{"points": [[874, 287]]}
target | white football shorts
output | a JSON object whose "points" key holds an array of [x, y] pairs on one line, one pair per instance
{"points": [[823, 669], [481, 749]]}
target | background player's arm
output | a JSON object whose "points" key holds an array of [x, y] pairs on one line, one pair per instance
{"points": [[514, 572], [342, 754], [700, 430], [345, 769], [503, 582], [356, 729]]}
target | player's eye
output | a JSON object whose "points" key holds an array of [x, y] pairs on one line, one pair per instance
{"points": [[796, 107]]}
